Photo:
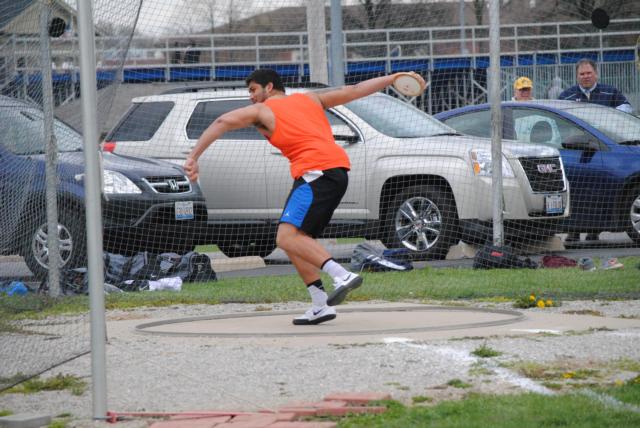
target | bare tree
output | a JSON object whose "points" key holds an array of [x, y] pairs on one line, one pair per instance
{"points": [[194, 16], [581, 9], [376, 14], [478, 10]]}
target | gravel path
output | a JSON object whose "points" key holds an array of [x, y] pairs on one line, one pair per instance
{"points": [[159, 373]]}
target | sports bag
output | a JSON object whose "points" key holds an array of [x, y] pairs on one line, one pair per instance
{"points": [[367, 258], [501, 257]]}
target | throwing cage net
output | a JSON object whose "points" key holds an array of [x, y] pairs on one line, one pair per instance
{"points": [[421, 167]]}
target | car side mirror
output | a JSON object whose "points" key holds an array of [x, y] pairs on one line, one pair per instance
{"points": [[581, 142]]}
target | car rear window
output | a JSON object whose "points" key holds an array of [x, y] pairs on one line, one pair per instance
{"points": [[208, 111], [141, 121]]}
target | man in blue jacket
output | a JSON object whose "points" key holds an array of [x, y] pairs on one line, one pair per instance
{"points": [[588, 90]]}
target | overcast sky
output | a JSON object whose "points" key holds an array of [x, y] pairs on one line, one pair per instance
{"points": [[160, 17]]}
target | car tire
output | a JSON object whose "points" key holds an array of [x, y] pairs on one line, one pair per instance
{"points": [[71, 230], [260, 246], [632, 214], [422, 219]]}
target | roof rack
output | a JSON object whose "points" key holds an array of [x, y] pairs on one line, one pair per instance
{"points": [[209, 86], [234, 84]]}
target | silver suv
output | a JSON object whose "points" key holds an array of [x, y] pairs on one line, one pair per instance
{"points": [[414, 182]]}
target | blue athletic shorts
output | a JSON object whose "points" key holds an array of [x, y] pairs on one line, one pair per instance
{"points": [[310, 205]]}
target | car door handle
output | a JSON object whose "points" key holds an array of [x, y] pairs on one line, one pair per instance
{"points": [[348, 139]]}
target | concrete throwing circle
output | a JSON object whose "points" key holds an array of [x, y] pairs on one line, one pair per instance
{"points": [[351, 321]]}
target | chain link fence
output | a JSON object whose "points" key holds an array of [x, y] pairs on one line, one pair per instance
{"points": [[419, 183]]}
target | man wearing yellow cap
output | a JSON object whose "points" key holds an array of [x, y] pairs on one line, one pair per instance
{"points": [[522, 89]]}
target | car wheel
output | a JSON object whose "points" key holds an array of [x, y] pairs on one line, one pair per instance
{"points": [[633, 211], [260, 246], [71, 233], [422, 219]]}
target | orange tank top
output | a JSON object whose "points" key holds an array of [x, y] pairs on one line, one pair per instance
{"points": [[304, 136]]}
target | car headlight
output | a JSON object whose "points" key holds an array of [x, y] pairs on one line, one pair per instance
{"points": [[115, 182], [482, 165]]}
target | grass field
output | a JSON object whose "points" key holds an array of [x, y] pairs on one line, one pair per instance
{"points": [[419, 284], [456, 285], [575, 409]]}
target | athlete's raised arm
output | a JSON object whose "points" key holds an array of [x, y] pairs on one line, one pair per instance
{"points": [[345, 94]]}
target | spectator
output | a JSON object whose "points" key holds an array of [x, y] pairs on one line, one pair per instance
{"points": [[176, 55], [588, 90], [522, 89], [528, 128]]}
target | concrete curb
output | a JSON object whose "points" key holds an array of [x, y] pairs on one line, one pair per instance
{"points": [[236, 263]]}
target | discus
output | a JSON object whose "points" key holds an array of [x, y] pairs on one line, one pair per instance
{"points": [[409, 84]]}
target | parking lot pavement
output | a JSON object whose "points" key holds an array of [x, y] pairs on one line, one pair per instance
{"points": [[277, 263]]}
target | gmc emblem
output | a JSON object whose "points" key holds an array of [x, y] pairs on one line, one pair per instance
{"points": [[547, 168]]}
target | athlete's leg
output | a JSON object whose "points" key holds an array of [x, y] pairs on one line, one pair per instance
{"points": [[306, 254]]}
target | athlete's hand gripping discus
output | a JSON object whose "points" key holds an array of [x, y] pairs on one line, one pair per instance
{"points": [[409, 84]]}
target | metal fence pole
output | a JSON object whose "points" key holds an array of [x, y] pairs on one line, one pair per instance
{"points": [[93, 206], [51, 150], [317, 41], [337, 63], [496, 120]]}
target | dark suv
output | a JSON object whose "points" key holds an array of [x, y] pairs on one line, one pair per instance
{"points": [[147, 205]]}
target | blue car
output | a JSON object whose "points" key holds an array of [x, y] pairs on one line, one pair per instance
{"points": [[599, 147], [147, 205]]}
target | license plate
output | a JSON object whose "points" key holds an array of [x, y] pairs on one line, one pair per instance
{"points": [[553, 204], [184, 210]]}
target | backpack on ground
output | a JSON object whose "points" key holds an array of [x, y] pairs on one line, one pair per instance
{"points": [[195, 267], [556, 261], [500, 257]]}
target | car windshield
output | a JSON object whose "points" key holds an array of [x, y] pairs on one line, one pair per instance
{"points": [[621, 127], [22, 132], [397, 118]]}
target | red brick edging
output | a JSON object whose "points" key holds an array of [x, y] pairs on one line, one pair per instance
{"points": [[288, 416]]}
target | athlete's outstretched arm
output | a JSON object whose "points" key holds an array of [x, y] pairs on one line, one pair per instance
{"points": [[349, 93], [235, 119]]}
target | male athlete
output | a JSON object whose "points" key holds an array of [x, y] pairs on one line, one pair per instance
{"points": [[296, 124]]}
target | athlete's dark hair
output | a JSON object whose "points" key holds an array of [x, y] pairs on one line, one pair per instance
{"points": [[264, 76]]}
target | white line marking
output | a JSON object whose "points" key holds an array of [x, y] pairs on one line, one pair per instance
{"points": [[464, 357], [610, 401]]}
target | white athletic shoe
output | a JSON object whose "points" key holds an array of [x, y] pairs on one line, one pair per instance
{"points": [[344, 287], [312, 316]]}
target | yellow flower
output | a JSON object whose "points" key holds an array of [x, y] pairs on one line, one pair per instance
{"points": [[549, 302], [568, 375], [619, 382], [532, 297], [540, 304]]}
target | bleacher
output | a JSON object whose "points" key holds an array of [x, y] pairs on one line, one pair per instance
{"points": [[549, 54]]}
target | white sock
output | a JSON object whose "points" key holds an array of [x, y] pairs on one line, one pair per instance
{"points": [[318, 297], [332, 268]]}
